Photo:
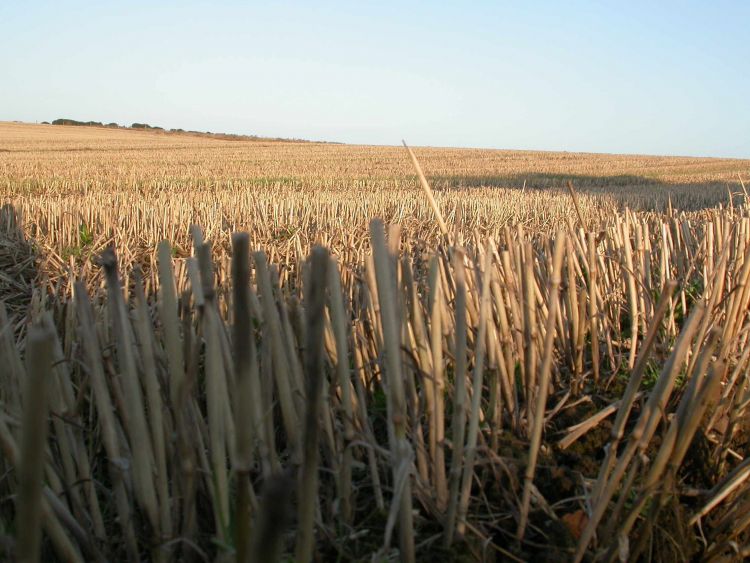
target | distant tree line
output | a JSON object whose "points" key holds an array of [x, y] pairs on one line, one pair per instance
{"points": [[112, 125], [146, 126]]}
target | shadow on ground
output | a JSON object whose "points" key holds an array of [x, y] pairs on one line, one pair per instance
{"points": [[636, 192], [18, 264]]}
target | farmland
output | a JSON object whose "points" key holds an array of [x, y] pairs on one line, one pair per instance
{"points": [[250, 350]]}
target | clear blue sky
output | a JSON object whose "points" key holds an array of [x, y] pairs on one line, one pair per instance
{"points": [[604, 76]]}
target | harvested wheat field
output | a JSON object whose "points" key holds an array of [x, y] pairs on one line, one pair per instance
{"points": [[220, 350]]}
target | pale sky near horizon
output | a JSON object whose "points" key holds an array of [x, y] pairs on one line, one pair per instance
{"points": [[599, 76]]}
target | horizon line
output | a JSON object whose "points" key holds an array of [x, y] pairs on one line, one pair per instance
{"points": [[254, 137]]}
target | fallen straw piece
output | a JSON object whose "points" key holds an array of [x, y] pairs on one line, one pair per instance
{"points": [[574, 432]]}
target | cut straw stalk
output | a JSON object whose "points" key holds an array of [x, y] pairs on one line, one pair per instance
{"points": [[281, 368], [476, 396], [266, 542], [459, 409], [108, 425], [577, 206], [544, 376], [427, 191], [593, 309], [155, 406], [313, 366], [62, 400], [438, 386], [138, 434], [414, 335], [217, 396], [33, 441], [67, 403], [247, 413], [400, 450], [529, 328], [367, 427], [340, 330], [170, 323], [62, 544], [632, 293]]}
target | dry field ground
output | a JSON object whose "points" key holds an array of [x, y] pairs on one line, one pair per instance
{"points": [[84, 188], [514, 377]]}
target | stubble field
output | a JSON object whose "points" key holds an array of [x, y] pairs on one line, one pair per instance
{"points": [[510, 376]]}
